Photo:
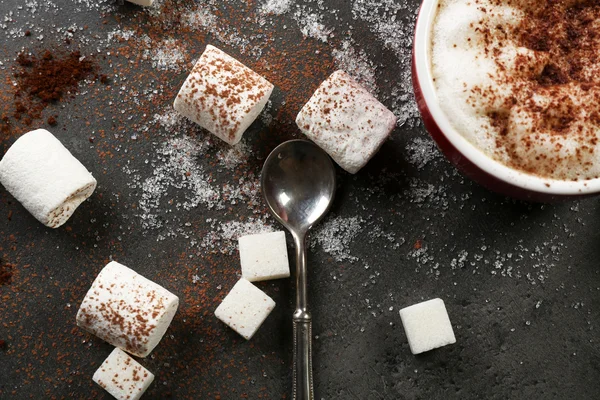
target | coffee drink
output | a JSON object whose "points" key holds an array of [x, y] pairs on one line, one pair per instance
{"points": [[521, 81]]}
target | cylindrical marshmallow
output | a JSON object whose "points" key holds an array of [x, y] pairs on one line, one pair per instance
{"points": [[222, 95], [127, 310], [346, 121], [45, 177]]}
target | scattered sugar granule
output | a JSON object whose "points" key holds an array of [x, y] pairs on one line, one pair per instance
{"points": [[357, 64], [276, 7], [223, 236], [311, 25], [168, 55], [335, 236], [381, 16], [421, 152]]}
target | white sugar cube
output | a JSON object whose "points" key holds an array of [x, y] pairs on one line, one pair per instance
{"points": [[45, 177], [245, 308], [222, 95], [264, 256], [427, 326], [122, 376], [127, 310], [346, 121]]}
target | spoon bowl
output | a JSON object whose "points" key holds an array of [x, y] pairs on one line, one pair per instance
{"points": [[298, 183]]}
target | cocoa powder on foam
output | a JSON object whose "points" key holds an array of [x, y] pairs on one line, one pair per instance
{"points": [[549, 123]]}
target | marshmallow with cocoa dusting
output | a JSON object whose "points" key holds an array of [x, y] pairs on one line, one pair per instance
{"points": [[122, 376], [222, 95], [127, 310], [346, 121], [45, 177]]}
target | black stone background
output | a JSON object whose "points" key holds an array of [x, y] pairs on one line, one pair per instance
{"points": [[360, 350]]}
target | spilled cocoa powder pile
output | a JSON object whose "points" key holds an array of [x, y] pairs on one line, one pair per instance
{"points": [[6, 274], [45, 79]]}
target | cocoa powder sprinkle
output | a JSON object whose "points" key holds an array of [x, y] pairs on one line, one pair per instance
{"points": [[554, 86], [47, 78], [6, 274]]}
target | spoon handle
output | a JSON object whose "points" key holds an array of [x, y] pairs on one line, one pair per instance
{"points": [[303, 376]]}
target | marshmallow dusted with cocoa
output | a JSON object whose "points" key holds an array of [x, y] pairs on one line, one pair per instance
{"points": [[346, 121], [222, 95], [45, 177], [127, 310], [122, 376]]}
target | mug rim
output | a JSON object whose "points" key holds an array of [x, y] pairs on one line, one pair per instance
{"points": [[511, 176]]}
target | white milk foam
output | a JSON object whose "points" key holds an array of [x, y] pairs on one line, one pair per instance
{"points": [[488, 85]]}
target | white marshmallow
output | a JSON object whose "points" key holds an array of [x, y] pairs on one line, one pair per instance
{"points": [[427, 326], [145, 3], [45, 177], [346, 121], [264, 256], [245, 308], [122, 376], [222, 95], [127, 310]]}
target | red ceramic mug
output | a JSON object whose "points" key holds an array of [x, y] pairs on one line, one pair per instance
{"points": [[466, 157]]}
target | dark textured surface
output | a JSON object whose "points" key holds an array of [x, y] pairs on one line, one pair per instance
{"points": [[520, 281]]}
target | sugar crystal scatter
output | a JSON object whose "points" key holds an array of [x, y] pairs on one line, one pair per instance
{"points": [[335, 236], [170, 54], [357, 64], [396, 35], [422, 151], [276, 7]]}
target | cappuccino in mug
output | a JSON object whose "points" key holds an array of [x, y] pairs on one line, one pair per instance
{"points": [[521, 81]]}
